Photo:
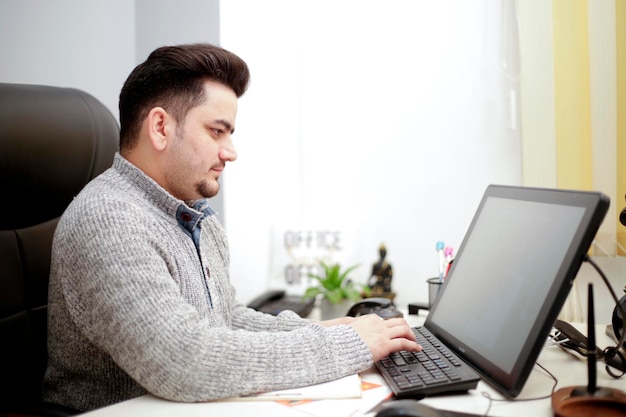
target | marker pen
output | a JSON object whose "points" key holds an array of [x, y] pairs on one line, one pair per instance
{"points": [[448, 251], [442, 259]]}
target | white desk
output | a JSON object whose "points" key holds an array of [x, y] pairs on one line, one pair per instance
{"points": [[569, 370]]}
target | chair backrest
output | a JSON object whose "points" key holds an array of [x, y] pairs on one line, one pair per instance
{"points": [[52, 142]]}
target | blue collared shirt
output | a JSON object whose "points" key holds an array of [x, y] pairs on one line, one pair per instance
{"points": [[190, 220]]}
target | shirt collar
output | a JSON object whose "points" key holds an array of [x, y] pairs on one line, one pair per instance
{"points": [[191, 217]]}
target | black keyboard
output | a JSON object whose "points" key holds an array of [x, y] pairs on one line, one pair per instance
{"points": [[434, 370]]}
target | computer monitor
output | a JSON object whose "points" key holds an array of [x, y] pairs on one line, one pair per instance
{"points": [[511, 276]]}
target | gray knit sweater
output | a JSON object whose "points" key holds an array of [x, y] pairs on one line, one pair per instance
{"points": [[135, 307]]}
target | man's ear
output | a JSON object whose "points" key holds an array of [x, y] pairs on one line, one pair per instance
{"points": [[161, 126]]}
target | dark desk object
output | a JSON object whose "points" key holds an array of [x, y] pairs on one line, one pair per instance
{"points": [[381, 306], [52, 142], [413, 408], [434, 286], [276, 301], [414, 308]]}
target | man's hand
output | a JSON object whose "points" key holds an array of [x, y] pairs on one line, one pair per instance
{"points": [[385, 336]]}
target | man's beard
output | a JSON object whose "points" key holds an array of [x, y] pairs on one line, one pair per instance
{"points": [[205, 190]]}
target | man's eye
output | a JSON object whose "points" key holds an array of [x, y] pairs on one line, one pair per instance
{"points": [[218, 132]]}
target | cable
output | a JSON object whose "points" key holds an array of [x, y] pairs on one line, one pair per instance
{"points": [[611, 352], [492, 400]]}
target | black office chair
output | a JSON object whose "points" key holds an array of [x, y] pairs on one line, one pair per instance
{"points": [[52, 142]]}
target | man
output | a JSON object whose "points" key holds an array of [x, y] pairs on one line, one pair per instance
{"points": [[140, 299]]}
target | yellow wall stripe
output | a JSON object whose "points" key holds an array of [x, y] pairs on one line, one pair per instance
{"points": [[620, 33], [572, 94]]}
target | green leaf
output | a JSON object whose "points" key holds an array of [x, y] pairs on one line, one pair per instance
{"points": [[311, 292], [352, 293], [334, 285], [346, 272], [335, 296]]}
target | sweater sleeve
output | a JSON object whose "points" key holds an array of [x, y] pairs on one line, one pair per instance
{"points": [[249, 319], [130, 308]]}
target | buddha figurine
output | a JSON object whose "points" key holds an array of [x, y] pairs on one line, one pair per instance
{"points": [[382, 273]]}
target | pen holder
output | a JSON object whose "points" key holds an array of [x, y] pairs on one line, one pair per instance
{"points": [[433, 290]]}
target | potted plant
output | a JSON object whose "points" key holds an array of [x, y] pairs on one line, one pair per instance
{"points": [[337, 290]]}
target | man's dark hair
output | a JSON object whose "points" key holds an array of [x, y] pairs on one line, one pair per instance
{"points": [[173, 78]]}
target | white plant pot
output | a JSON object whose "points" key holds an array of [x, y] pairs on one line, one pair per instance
{"points": [[330, 311]]}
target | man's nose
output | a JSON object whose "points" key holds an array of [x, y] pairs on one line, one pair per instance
{"points": [[228, 152]]}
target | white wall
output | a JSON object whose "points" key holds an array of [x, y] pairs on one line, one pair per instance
{"points": [[384, 120], [163, 22], [88, 45]]}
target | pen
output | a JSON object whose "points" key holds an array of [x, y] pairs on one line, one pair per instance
{"points": [[442, 259], [448, 251]]}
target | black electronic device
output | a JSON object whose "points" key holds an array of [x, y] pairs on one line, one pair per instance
{"points": [[413, 408], [617, 319], [275, 301], [571, 338], [568, 337], [381, 306], [615, 357], [509, 281]]}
